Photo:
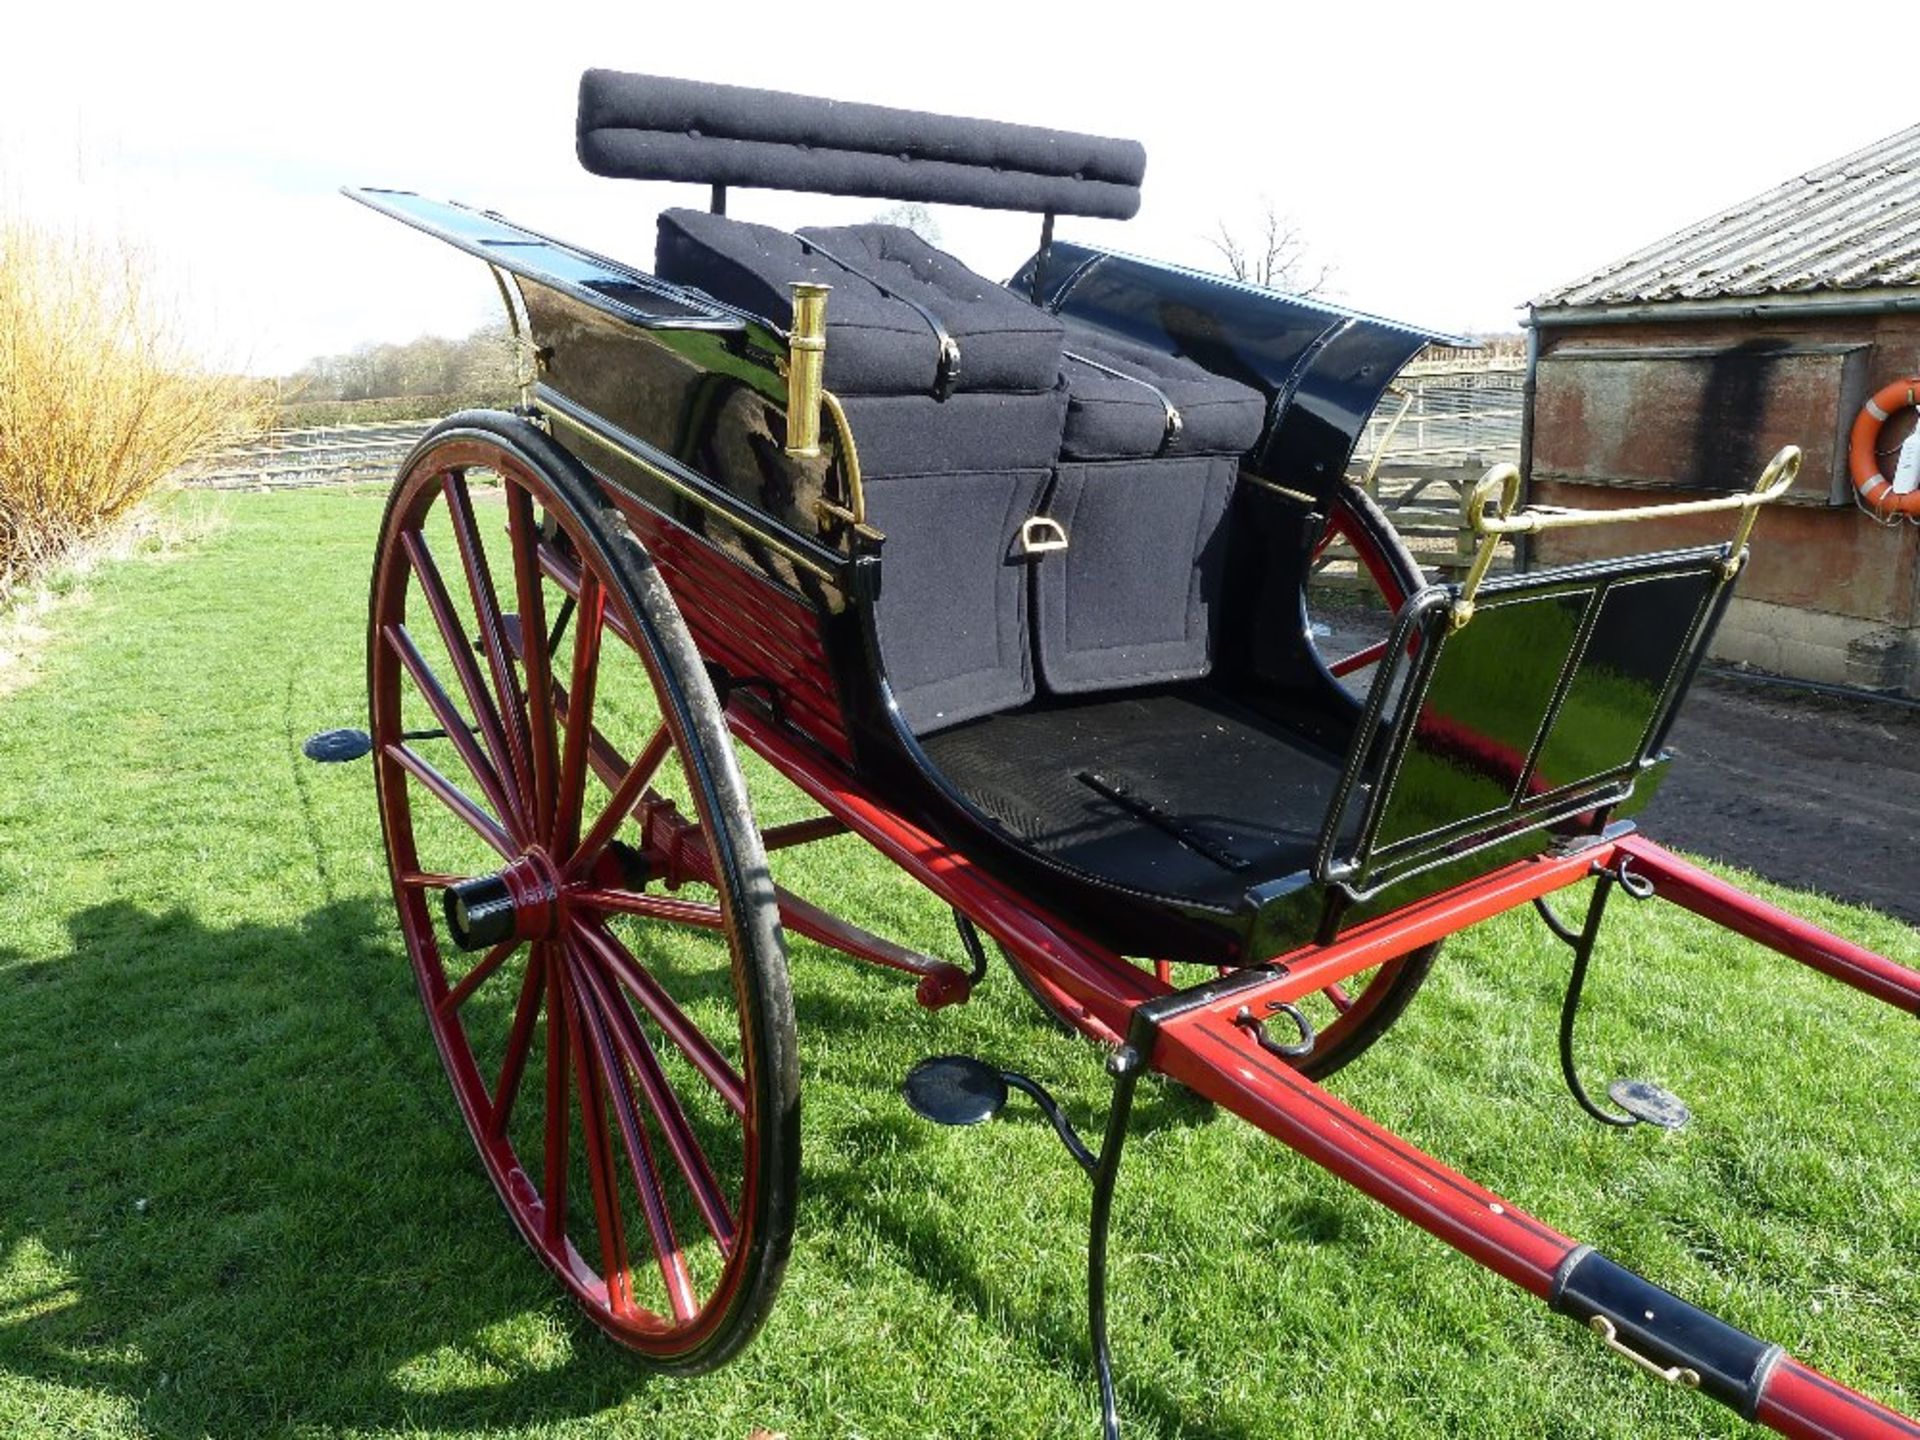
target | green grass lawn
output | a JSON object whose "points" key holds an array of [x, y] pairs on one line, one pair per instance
{"points": [[237, 1200]]}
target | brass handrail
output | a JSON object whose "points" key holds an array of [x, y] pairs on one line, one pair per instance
{"points": [[854, 512], [1500, 487], [1380, 445]]}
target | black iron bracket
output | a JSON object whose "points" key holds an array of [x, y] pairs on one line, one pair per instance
{"points": [[1644, 1102], [962, 1090], [559, 629], [1125, 1065], [758, 687], [970, 942], [1255, 1026]]}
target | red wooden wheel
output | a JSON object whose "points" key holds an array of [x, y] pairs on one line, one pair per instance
{"points": [[1386, 573], [583, 892], [1348, 1017]]}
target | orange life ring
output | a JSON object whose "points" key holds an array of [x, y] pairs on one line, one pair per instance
{"points": [[1863, 463]]}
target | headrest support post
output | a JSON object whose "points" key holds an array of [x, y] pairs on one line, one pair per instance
{"points": [[1040, 257]]}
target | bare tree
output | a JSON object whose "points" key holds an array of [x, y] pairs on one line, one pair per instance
{"points": [[1273, 255], [914, 216]]}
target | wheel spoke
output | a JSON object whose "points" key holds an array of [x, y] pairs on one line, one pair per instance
{"points": [[526, 1011], [701, 1052], [476, 977], [553, 1180], [428, 880], [454, 798], [703, 913], [640, 1157], [573, 755], [605, 761], [1358, 660], [601, 1169], [534, 659], [634, 1047], [486, 608], [625, 796], [486, 714], [1342, 1001], [443, 709]]}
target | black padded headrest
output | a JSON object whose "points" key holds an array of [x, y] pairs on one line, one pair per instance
{"points": [[649, 127]]}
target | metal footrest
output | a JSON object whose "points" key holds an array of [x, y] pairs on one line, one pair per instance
{"points": [[1649, 1104]]}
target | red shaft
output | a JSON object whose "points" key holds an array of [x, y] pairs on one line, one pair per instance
{"points": [[1807, 1405], [1207, 1052], [1692, 888]]}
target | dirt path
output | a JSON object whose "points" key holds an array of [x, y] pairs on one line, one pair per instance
{"points": [[1815, 792]]}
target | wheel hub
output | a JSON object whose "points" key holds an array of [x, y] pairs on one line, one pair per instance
{"points": [[520, 902]]}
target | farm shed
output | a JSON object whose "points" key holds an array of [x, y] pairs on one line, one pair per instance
{"points": [[1682, 367]]}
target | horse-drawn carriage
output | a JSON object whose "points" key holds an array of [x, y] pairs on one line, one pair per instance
{"points": [[1011, 582]]}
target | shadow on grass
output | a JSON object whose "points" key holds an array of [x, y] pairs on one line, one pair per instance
{"points": [[238, 1195], [1056, 1330]]}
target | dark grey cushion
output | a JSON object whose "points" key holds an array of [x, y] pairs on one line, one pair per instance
{"points": [[949, 483], [1130, 600], [914, 435], [1109, 417], [952, 615], [650, 127], [877, 344]]}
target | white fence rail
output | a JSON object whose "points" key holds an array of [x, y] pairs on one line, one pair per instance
{"points": [[300, 459], [1431, 438]]}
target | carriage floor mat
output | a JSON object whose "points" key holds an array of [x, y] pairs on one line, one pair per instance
{"points": [[1177, 792]]}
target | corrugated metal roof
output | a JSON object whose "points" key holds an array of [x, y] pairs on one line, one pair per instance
{"points": [[1850, 225]]}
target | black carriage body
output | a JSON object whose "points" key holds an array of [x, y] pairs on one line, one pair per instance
{"points": [[1222, 817], [1150, 759]]}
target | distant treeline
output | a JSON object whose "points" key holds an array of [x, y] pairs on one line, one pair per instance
{"points": [[479, 368]]}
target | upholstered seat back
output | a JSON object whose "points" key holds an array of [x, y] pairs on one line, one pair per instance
{"points": [[1148, 463], [949, 481], [893, 298]]}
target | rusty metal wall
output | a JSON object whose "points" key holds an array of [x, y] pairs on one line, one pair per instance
{"points": [[1696, 407]]}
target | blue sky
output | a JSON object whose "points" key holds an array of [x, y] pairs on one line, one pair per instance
{"points": [[1448, 161]]}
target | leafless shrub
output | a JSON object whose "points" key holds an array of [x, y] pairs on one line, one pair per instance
{"points": [[100, 399]]}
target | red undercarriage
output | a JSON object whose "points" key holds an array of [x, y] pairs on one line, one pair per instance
{"points": [[1203, 1048]]}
